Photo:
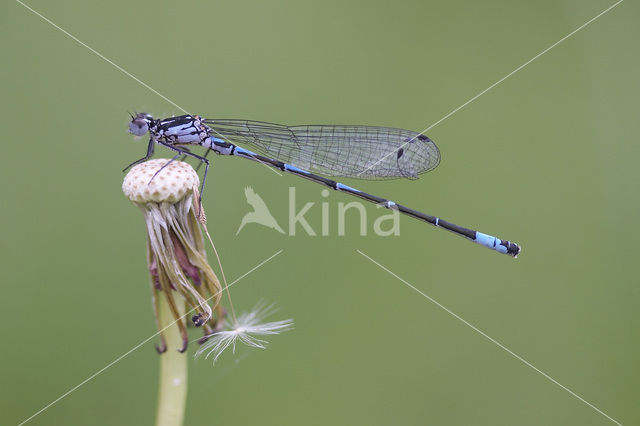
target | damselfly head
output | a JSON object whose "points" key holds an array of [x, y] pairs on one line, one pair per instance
{"points": [[140, 124]]}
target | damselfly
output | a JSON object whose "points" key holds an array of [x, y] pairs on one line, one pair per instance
{"points": [[364, 152]]}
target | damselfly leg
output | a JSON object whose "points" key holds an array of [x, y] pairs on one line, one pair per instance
{"points": [[175, 157], [150, 149], [184, 151], [205, 156]]}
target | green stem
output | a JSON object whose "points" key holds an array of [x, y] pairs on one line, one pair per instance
{"points": [[172, 392]]}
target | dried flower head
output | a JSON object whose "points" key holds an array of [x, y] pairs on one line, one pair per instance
{"points": [[164, 192]]}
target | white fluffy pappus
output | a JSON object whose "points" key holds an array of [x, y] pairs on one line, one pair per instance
{"points": [[247, 329]]}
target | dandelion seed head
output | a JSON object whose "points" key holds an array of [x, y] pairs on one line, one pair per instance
{"points": [[170, 185], [164, 190]]}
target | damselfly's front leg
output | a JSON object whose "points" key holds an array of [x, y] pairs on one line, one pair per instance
{"points": [[150, 149]]}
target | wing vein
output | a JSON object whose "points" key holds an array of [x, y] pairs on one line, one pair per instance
{"points": [[365, 152]]}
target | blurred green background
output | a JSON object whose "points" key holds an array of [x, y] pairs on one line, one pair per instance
{"points": [[549, 159]]}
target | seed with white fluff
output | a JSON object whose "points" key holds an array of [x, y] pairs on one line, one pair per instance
{"points": [[170, 185]]}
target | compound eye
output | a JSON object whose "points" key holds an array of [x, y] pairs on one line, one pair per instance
{"points": [[138, 126]]}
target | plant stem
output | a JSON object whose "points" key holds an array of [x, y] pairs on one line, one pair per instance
{"points": [[172, 391]]}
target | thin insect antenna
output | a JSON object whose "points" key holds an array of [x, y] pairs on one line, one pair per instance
{"points": [[132, 116], [203, 222]]}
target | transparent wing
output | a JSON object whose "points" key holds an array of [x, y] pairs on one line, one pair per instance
{"points": [[364, 152]]}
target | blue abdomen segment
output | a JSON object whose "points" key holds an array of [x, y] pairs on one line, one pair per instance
{"points": [[244, 153], [218, 145], [240, 150], [294, 169], [494, 243], [343, 187], [491, 242]]}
